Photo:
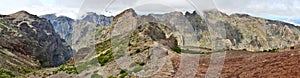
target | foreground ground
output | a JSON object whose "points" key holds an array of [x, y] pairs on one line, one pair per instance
{"points": [[238, 64], [242, 64]]}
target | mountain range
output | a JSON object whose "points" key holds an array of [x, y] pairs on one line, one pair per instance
{"points": [[132, 45]]}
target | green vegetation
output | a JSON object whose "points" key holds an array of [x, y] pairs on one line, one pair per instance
{"points": [[100, 47], [123, 75], [189, 51], [70, 69], [137, 50], [95, 75], [84, 65], [140, 63], [6, 74], [105, 58], [177, 50], [137, 69], [272, 50], [23, 70], [112, 77]]}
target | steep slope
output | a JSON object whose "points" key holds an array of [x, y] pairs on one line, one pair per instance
{"points": [[30, 41], [75, 31], [130, 46], [62, 25]]}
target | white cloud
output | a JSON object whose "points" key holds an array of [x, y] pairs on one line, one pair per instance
{"points": [[41, 7], [268, 8]]}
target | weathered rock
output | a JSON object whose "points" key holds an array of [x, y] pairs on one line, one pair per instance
{"points": [[35, 37]]}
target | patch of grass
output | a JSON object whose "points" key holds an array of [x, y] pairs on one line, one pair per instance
{"points": [[70, 69], [84, 65], [140, 63], [112, 77], [137, 50], [95, 75], [105, 58], [272, 50], [177, 50], [100, 47], [24, 69], [137, 69], [6, 74], [123, 73]]}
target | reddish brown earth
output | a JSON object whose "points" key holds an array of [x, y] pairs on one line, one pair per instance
{"points": [[244, 64]]}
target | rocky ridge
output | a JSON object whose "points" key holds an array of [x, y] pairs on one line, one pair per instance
{"points": [[30, 42]]}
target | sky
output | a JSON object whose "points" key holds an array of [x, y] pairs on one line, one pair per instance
{"points": [[285, 10]]}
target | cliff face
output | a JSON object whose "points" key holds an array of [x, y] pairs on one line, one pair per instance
{"points": [[24, 34], [242, 31], [75, 31], [237, 31], [99, 20], [62, 25]]}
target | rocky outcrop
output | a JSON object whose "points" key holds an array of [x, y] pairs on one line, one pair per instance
{"points": [[99, 20], [33, 37], [243, 31], [75, 31], [62, 25]]}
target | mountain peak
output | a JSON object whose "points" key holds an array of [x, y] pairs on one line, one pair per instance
{"points": [[22, 14], [188, 13], [91, 13], [129, 12]]}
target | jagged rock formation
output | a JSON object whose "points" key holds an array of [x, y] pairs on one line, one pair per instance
{"points": [[31, 41], [76, 32], [237, 31], [99, 20], [253, 33], [62, 25]]}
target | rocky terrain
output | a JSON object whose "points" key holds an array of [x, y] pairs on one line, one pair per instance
{"points": [[67, 27], [155, 45], [28, 42], [62, 25], [178, 45], [159, 42]]}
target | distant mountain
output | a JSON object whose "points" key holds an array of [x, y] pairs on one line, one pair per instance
{"points": [[99, 20], [28, 42], [71, 29], [62, 25]]}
